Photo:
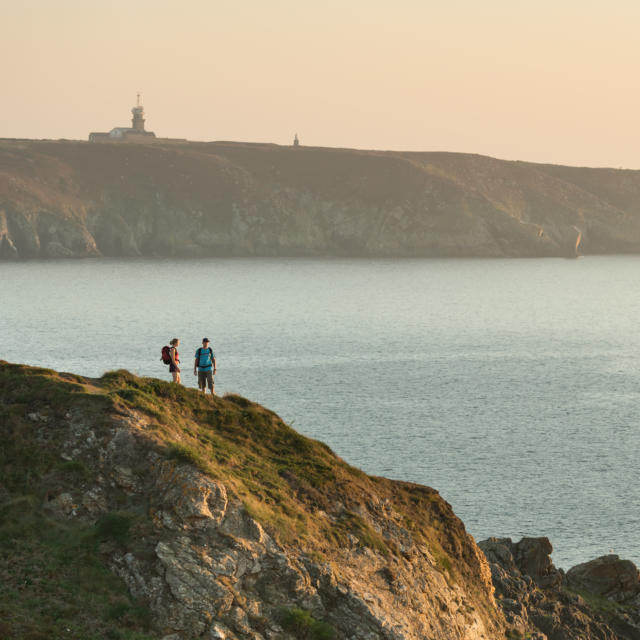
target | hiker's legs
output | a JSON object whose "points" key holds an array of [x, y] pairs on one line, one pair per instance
{"points": [[202, 381], [210, 382]]}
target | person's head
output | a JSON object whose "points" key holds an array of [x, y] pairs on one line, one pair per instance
{"points": [[205, 342], [175, 342]]}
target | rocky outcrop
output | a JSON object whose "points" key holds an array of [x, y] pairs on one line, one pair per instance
{"points": [[8, 249], [609, 577], [227, 524], [595, 600], [75, 199], [224, 523]]}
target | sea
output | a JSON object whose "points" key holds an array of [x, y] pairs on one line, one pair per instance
{"points": [[510, 386]]}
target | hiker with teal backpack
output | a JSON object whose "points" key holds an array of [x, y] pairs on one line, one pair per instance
{"points": [[205, 366]]}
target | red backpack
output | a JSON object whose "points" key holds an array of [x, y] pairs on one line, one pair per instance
{"points": [[166, 354]]}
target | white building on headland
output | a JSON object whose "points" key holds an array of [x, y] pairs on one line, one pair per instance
{"points": [[134, 133]]}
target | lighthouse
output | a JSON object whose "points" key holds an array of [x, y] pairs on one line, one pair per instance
{"points": [[134, 133], [137, 122]]}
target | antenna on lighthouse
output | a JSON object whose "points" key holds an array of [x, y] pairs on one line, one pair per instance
{"points": [[138, 101]]}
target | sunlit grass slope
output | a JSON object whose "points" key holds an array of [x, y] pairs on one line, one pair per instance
{"points": [[53, 578]]}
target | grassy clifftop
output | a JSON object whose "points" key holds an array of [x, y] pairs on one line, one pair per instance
{"points": [[74, 199], [79, 478]]}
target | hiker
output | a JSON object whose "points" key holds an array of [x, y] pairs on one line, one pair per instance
{"points": [[205, 366], [174, 365]]}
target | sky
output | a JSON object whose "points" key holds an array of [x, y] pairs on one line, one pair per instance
{"points": [[545, 80]]}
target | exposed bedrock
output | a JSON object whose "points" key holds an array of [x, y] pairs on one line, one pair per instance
{"points": [[233, 522], [609, 577], [599, 599], [78, 199], [222, 522]]}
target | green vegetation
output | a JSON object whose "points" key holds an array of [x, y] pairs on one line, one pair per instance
{"points": [[352, 524], [282, 477], [271, 467], [187, 454], [53, 580], [294, 486], [443, 560], [54, 584], [598, 603], [73, 467], [47, 396], [113, 526], [304, 626]]}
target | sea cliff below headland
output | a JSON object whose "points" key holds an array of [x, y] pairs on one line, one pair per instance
{"points": [[191, 199]]}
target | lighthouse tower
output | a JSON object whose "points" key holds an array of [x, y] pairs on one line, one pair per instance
{"points": [[137, 122]]}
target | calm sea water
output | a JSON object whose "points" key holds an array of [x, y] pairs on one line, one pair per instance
{"points": [[511, 386]]}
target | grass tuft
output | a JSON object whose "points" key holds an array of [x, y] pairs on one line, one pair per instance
{"points": [[54, 583], [113, 526], [187, 454], [304, 626], [73, 468]]}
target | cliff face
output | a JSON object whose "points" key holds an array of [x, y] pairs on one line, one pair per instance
{"points": [[134, 509], [221, 521], [75, 199]]}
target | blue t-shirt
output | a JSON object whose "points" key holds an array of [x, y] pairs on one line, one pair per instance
{"points": [[204, 358]]}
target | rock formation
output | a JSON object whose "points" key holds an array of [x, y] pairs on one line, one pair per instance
{"points": [[597, 600], [135, 509], [609, 577], [77, 199], [223, 522]]}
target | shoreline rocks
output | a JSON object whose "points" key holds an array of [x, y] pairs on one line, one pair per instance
{"points": [[599, 599], [609, 577]]}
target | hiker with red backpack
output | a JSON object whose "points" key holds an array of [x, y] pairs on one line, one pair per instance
{"points": [[171, 357], [205, 366]]}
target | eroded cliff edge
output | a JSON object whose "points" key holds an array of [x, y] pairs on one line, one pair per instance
{"points": [[76, 199], [219, 520]]}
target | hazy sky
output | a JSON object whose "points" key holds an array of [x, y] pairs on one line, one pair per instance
{"points": [[544, 80]]}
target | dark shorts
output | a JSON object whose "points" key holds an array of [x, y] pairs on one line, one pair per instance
{"points": [[173, 368], [205, 378]]}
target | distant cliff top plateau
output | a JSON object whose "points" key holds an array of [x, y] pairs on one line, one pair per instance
{"points": [[62, 199]]}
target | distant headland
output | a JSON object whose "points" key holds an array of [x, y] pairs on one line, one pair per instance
{"points": [[164, 197]]}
